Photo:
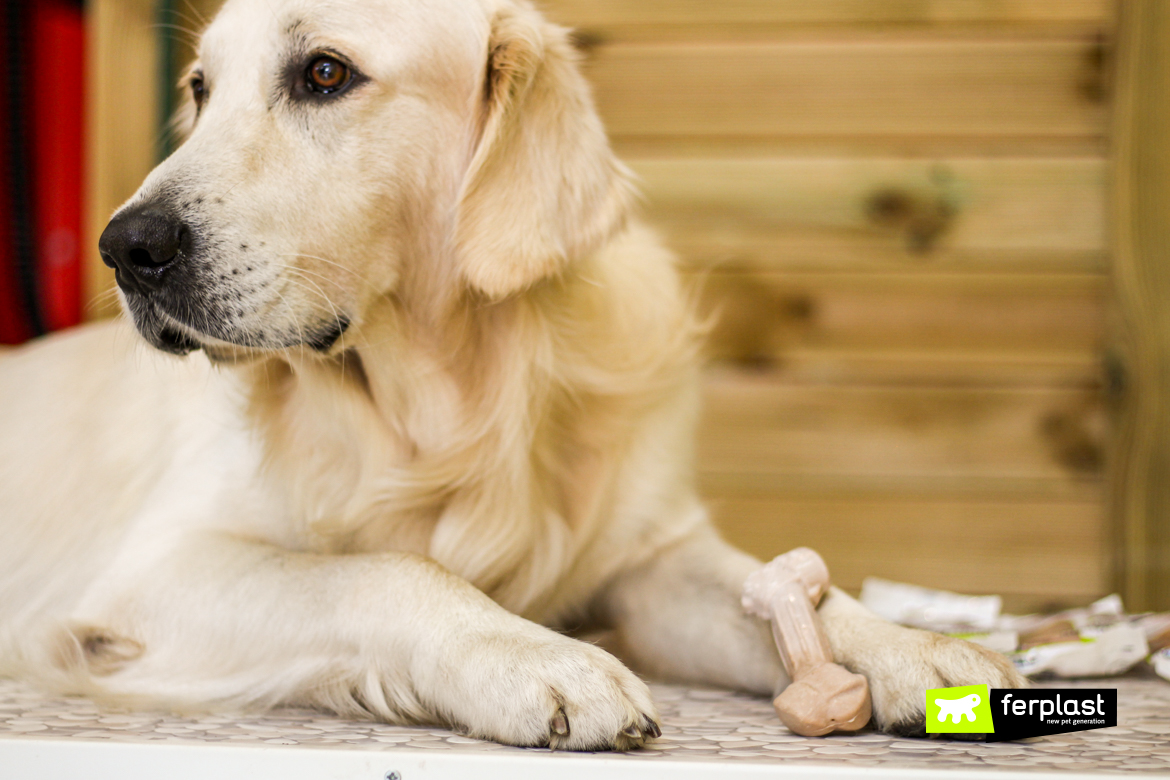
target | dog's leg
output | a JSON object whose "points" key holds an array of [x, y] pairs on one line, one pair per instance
{"points": [[678, 617], [228, 622]]}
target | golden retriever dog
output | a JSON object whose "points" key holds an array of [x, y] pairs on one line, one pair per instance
{"points": [[429, 405]]}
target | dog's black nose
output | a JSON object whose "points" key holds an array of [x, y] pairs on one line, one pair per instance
{"points": [[140, 244]]}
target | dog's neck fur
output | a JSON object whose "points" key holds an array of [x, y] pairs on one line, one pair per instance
{"points": [[481, 464]]}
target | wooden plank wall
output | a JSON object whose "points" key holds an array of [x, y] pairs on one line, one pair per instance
{"points": [[897, 210]]}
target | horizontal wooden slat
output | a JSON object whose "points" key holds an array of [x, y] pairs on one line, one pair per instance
{"points": [[607, 14], [930, 367], [633, 147], [839, 90], [875, 213], [758, 425], [975, 328], [878, 488], [1036, 554]]}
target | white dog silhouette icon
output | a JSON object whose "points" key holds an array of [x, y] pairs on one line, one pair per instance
{"points": [[957, 708]]}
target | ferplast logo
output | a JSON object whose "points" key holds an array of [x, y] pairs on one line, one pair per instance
{"points": [[962, 710], [1002, 714]]}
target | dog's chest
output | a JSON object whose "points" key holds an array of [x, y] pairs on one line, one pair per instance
{"points": [[356, 475]]}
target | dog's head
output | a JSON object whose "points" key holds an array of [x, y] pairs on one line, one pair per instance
{"points": [[343, 152]]}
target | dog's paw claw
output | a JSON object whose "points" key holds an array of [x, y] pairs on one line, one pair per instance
{"points": [[652, 728], [633, 736], [637, 734], [560, 724]]}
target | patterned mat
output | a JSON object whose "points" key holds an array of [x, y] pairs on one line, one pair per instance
{"points": [[698, 725]]}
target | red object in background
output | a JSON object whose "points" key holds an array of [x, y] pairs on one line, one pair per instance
{"points": [[56, 98], [14, 326], [41, 166]]}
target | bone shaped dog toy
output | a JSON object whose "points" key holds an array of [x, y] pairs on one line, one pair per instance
{"points": [[823, 697]]}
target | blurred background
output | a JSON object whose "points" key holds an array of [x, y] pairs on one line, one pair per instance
{"points": [[931, 230]]}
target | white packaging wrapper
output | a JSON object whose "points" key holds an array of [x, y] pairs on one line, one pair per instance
{"points": [[1113, 651], [1110, 605], [1161, 662], [1095, 641], [938, 610], [1157, 628]]}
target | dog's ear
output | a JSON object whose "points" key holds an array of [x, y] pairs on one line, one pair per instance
{"points": [[543, 186]]}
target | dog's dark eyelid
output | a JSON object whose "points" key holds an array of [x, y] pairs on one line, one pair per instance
{"points": [[304, 85]]}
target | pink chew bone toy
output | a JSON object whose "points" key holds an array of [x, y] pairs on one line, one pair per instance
{"points": [[823, 696]]}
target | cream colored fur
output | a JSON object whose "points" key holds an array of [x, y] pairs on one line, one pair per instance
{"points": [[499, 445]]}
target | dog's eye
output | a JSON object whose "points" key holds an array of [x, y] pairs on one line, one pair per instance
{"points": [[198, 91], [326, 75]]}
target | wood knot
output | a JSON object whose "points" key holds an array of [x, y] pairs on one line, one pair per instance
{"points": [[1072, 443], [923, 218]]}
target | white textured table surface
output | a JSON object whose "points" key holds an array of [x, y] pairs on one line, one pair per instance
{"points": [[705, 733]]}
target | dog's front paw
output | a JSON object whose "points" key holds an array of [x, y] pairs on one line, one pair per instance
{"points": [[907, 662], [555, 692]]}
